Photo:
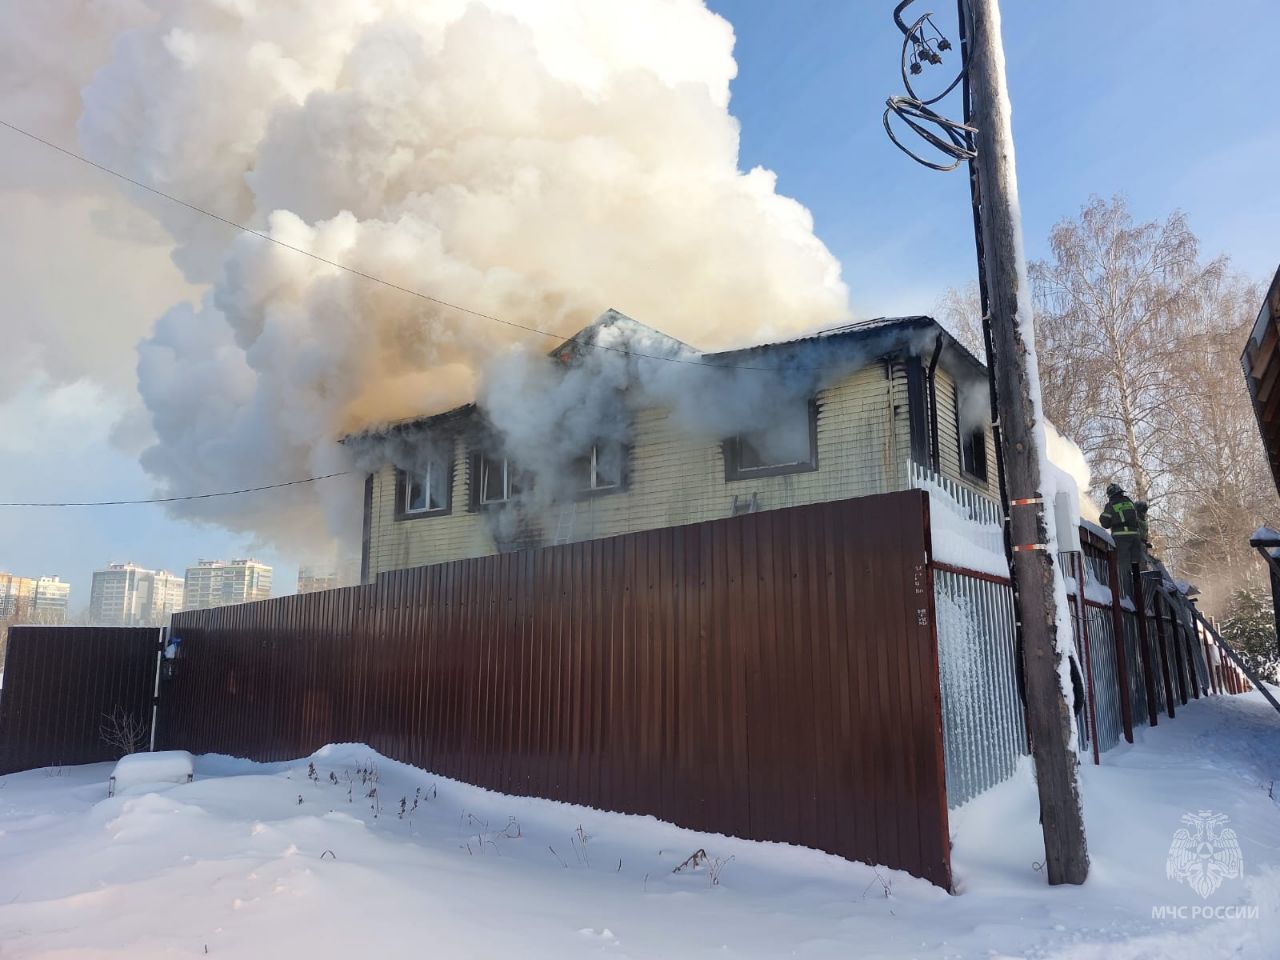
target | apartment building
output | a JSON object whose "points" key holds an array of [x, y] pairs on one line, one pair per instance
{"points": [[127, 595], [17, 596], [315, 578], [52, 597], [218, 583]]}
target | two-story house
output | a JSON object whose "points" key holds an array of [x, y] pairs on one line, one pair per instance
{"points": [[867, 408]]}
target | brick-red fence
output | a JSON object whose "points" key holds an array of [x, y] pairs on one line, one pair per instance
{"points": [[61, 683], [771, 676]]}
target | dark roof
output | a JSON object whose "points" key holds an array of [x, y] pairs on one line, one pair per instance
{"points": [[878, 337], [1260, 362], [885, 331]]}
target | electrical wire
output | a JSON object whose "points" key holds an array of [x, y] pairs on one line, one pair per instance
{"points": [[782, 368], [951, 138], [561, 338], [192, 496]]}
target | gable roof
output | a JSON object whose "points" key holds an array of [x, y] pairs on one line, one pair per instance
{"points": [[874, 339]]}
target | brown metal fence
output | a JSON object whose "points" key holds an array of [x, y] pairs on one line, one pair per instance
{"points": [[61, 683], [771, 676]]}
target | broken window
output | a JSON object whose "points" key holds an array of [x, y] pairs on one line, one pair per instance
{"points": [[789, 444], [973, 446], [600, 468], [425, 490], [973, 454], [496, 481]]}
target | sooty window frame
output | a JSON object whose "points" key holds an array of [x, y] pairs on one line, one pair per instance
{"points": [[405, 477], [732, 449], [513, 482], [621, 484], [972, 447]]}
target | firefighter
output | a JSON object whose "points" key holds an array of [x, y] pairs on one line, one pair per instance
{"points": [[1127, 522]]}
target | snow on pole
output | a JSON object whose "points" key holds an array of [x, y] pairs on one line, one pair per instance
{"points": [[1029, 480]]}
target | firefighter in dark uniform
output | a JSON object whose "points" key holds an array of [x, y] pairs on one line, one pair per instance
{"points": [[1127, 521]]}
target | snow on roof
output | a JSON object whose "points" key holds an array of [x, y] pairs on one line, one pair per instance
{"points": [[1097, 531]]}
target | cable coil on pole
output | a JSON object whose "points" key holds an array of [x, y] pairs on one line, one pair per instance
{"points": [[923, 44]]}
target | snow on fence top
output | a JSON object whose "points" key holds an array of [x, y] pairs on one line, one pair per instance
{"points": [[964, 526]]}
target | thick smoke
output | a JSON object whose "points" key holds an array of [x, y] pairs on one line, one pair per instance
{"points": [[1064, 454], [537, 162]]}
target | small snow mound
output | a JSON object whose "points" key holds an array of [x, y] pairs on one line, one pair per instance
{"points": [[166, 766]]}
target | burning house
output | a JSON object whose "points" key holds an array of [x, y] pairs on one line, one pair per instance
{"points": [[622, 429]]}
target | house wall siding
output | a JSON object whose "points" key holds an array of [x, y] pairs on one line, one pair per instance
{"points": [[949, 438], [863, 439]]}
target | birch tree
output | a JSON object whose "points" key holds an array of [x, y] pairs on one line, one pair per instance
{"points": [[1112, 299], [960, 311], [1220, 487]]}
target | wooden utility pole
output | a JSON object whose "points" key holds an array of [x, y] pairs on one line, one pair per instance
{"points": [[1017, 384]]}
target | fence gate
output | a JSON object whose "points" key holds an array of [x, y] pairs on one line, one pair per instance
{"points": [[63, 686]]}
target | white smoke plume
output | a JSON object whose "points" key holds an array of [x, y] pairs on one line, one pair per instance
{"points": [[538, 162], [1068, 457]]}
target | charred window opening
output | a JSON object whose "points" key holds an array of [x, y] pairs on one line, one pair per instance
{"points": [[973, 454], [788, 445], [973, 447], [494, 481], [600, 470], [425, 490]]}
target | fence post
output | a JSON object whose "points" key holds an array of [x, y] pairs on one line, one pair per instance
{"points": [[1214, 685], [1188, 644], [1175, 647], [1083, 618], [1122, 654], [161, 638], [1144, 640], [1157, 608]]}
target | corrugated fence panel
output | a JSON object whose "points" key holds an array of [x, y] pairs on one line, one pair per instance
{"points": [[1136, 657], [982, 715], [771, 676], [62, 683], [1106, 675]]}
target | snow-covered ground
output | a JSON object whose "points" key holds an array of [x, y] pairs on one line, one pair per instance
{"points": [[261, 860]]}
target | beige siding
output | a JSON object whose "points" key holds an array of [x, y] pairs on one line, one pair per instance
{"points": [[949, 436], [863, 439]]}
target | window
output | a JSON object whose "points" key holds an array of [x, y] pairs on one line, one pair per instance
{"points": [[973, 446], [494, 480], [424, 492], [788, 445], [600, 469], [973, 454]]}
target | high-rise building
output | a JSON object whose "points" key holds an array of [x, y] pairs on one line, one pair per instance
{"points": [[51, 599], [314, 579], [127, 595], [345, 574], [17, 595], [166, 596], [217, 583]]}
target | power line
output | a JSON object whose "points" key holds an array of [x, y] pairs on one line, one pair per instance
{"points": [[371, 277], [192, 496]]}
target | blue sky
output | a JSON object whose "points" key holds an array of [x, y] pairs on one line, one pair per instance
{"points": [[1171, 104]]}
